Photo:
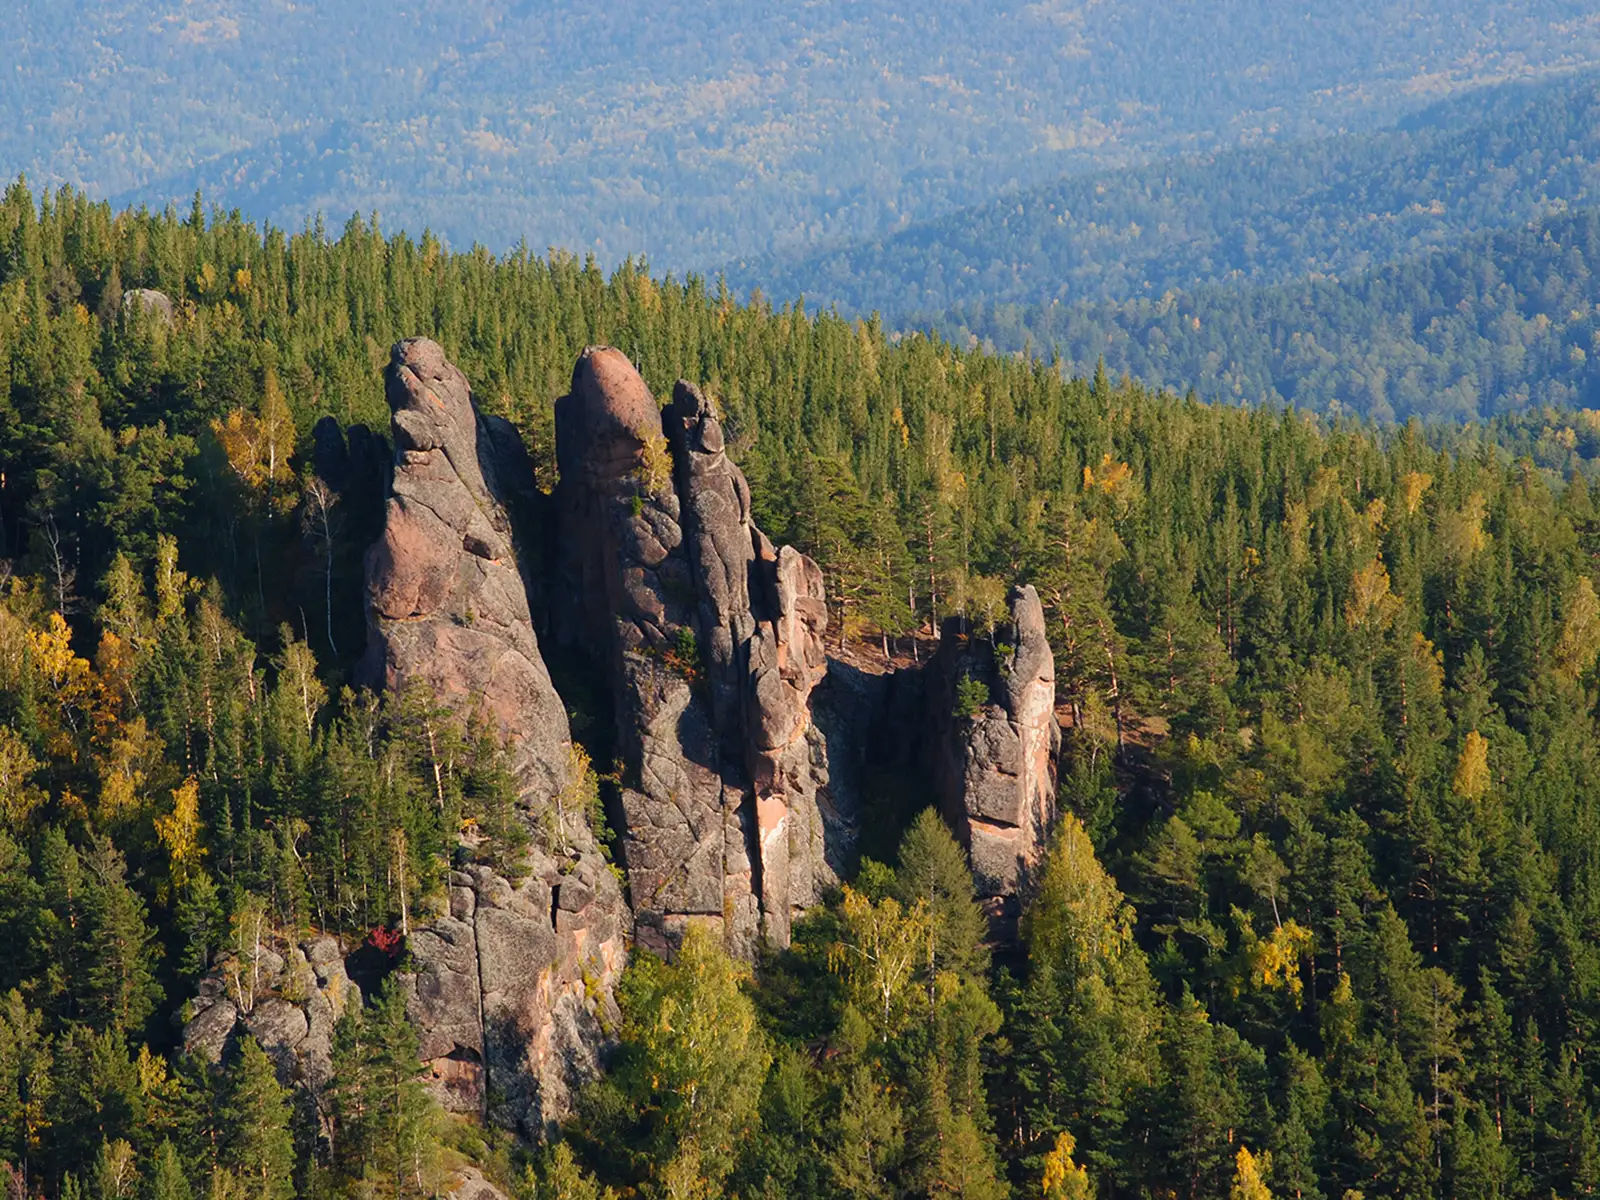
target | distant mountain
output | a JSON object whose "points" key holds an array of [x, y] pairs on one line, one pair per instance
{"points": [[1504, 322], [699, 134], [1261, 215]]}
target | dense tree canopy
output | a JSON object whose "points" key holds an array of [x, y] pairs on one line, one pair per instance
{"points": [[1319, 918]]}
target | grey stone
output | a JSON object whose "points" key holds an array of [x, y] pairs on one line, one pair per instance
{"points": [[996, 770], [207, 1034]]}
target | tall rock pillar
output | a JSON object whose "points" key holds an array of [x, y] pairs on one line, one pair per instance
{"points": [[712, 643], [512, 988], [995, 744]]}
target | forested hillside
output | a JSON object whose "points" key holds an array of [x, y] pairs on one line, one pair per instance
{"points": [[1441, 268], [1491, 159], [698, 134], [1319, 920], [1497, 324]]}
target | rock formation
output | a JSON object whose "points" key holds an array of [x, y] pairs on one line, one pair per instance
{"points": [[745, 755], [512, 989], [150, 302], [712, 642], [994, 746], [288, 997]]}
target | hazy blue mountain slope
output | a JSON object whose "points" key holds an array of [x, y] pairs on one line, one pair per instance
{"points": [[696, 133], [1258, 215], [1504, 322]]}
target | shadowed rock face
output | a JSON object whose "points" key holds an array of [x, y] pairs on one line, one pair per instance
{"points": [[761, 619], [996, 769], [510, 989], [712, 640]]}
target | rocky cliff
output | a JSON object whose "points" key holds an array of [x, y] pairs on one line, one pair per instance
{"points": [[512, 989], [748, 760], [993, 743], [712, 642]]}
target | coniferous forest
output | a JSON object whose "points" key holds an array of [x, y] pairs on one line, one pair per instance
{"points": [[1319, 918]]}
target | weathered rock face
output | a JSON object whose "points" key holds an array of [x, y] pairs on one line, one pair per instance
{"points": [[509, 1028], [147, 300], [512, 990], [288, 997], [447, 606], [995, 767], [712, 640]]}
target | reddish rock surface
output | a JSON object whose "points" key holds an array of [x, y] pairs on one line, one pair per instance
{"points": [[712, 642], [510, 992], [995, 769]]}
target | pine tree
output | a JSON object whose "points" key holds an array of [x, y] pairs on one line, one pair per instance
{"points": [[168, 1179], [868, 1138], [257, 1144], [121, 990], [933, 871], [398, 1138]]}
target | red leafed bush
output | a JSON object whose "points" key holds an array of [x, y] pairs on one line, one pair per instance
{"points": [[387, 940]]}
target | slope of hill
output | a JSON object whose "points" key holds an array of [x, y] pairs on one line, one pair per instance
{"points": [[699, 134], [1505, 320], [1343, 914], [1258, 215]]}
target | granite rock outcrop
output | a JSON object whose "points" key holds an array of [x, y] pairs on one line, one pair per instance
{"points": [[511, 990], [712, 640], [994, 742], [288, 996]]}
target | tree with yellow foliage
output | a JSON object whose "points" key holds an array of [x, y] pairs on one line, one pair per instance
{"points": [[1471, 779], [1372, 606], [1249, 1172], [1579, 644], [178, 832], [18, 795], [881, 947], [258, 447], [1063, 1178], [260, 444], [68, 681]]}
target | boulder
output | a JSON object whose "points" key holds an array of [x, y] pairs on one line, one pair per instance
{"points": [[208, 1032], [150, 302], [468, 1183], [300, 992]]}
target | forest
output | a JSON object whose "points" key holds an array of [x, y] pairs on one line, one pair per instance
{"points": [[1319, 918], [698, 135], [1439, 268], [1503, 322], [1253, 216]]}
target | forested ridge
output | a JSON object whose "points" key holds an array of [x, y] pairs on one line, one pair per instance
{"points": [[1319, 918], [1260, 215], [1439, 268], [1501, 323], [697, 135]]}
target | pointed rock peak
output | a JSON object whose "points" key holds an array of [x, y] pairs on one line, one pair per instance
{"points": [[995, 761], [511, 992], [694, 414]]}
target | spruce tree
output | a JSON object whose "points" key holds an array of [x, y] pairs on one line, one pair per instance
{"points": [[258, 1147]]}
